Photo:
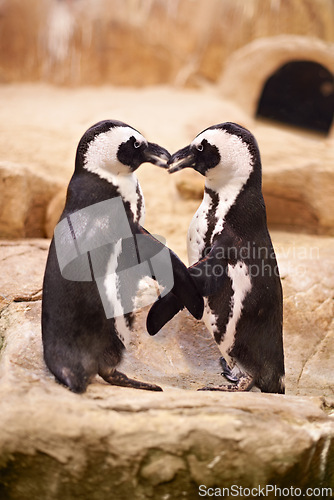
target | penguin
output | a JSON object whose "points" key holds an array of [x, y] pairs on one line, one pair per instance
{"points": [[232, 260], [80, 340]]}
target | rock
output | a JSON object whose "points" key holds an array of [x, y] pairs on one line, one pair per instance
{"points": [[162, 469], [297, 167], [24, 259], [190, 184], [306, 266], [119, 443], [247, 69], [299, 191], [24, 196], [108, 445]]}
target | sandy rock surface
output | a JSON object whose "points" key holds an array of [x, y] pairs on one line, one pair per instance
{"points": [[183, 355], [119, 442]]}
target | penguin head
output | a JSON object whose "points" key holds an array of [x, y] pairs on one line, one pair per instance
{"points": [[113, 147], [221, 153]]}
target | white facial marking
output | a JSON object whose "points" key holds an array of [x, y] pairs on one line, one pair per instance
{"points": [[236, 160], [101, 159], [241, 285], [101, 155]]}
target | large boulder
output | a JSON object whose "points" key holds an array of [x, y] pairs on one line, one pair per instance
{"points": [[24, 198], [121, 443], [248, 68], [306, 265]]}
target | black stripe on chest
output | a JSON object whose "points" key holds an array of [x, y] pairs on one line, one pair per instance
{"points": [[211, 216], [139, 203]]}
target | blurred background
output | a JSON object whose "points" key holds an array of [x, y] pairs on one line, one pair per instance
{"points": [[170, 68], [145, 42]]}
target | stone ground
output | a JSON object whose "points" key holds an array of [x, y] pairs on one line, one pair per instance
{"points": [[112, 442], [120, 443]]}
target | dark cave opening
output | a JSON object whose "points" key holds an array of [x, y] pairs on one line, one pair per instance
{"points": [[299, 93]]}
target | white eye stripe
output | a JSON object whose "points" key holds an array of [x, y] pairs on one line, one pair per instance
{"points": [[101, 155]]}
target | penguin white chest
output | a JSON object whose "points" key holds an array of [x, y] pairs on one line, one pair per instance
{"points": [[196, 233], [241, 286], [131, 192]]}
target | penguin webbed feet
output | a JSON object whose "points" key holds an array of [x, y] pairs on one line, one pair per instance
{"points": [[227, 372], [122, 380], [244, 384], [241, 383]]}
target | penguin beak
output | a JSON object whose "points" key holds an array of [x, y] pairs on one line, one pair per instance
{"points": [[181, 159], [157, 155]]}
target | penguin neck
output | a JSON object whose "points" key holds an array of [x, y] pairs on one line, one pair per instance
{"points": [[229, 187], [226, 193], [128, 188]]}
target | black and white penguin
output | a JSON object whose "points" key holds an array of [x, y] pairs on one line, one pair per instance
{"points": [[79, 339], [232, 260]]}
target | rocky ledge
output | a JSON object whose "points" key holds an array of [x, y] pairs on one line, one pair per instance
{"points": [[120, 443]]}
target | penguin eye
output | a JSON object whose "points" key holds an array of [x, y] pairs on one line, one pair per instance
{"points": [[137, 144], [200, 147]]}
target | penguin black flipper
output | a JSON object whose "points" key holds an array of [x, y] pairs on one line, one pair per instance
{"points": [[207, 281], [209, 273], [162, 311], [184, 288]]}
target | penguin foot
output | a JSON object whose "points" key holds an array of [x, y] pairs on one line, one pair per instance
{"points": [[245, 383], [227, 372], [120, 379]]}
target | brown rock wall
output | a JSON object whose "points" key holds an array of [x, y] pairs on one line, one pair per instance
{"points": [[138, 43], [24, 197]]}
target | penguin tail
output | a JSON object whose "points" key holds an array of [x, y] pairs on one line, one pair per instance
{"points": [[274, 385], [76, 382]]}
